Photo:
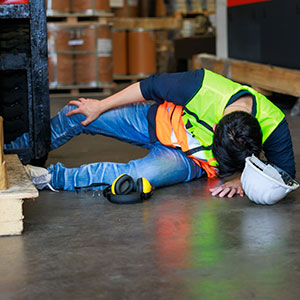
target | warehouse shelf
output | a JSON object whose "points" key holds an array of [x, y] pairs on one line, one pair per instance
{"points": [[80, 15], [24, 75], [131, 78], [82, 19], [153, 23], [76, 91]]}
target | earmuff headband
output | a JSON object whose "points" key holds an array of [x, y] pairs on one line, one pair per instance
{"points": [[121, 190]]}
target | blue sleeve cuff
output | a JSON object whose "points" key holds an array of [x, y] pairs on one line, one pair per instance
{"points": [[177, 88], [278, 149]]}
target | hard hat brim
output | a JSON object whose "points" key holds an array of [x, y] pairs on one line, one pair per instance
{"points": [[253, 165]]}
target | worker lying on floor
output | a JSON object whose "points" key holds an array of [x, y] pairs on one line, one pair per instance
{"points": [[179, 130]]}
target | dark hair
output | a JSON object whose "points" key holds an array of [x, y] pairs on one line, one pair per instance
{"points": [[237, 136]]}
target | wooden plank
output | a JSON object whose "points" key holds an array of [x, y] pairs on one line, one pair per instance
{"points": [[74, 20], [147, 23], [11, 210], [19, 184], [130, 77], [81, 94], [11, 228], [11, 200], [102, 14], [153, 23], [265, 77], [100, 85], [75, 91]]}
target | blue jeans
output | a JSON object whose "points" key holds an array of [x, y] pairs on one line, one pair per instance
{"points": [[162, 166]]}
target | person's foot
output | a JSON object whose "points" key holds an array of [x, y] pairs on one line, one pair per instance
{"points": [[40, 177]]}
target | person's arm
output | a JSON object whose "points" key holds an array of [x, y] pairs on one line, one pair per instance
{"points": [[178, 88], [278, 149], [92, 108]]}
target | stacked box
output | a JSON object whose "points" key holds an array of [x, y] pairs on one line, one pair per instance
{"points": [[79, 55], [141, 52], [88, 7], [120, 64], [57, 6], [186, 6], [134, 52], [104, 53], [125, 8]]}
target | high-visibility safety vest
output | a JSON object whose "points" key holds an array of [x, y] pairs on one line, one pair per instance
{"points": [[191, 127]]}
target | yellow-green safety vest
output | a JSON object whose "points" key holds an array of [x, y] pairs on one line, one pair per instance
{"points": [[207, 106]]}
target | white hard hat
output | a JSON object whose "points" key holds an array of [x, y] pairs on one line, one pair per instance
{"points": [[265, 183]]}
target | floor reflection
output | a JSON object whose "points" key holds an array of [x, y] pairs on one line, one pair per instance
{"points": [[219, 252]]}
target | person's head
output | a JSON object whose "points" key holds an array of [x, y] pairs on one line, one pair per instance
{"points": [[237, 136]]}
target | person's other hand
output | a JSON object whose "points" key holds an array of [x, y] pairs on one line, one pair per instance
{"points": [[228, 189], [87, 107]]}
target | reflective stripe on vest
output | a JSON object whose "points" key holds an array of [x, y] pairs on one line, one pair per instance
{"points": [[170, 131]]}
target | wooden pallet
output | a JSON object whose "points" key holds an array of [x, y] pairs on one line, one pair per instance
{"points": [[192, 13], [75, 91], [165, 23], [82, 19], [20, 187], [264, 78], [154, 23]]}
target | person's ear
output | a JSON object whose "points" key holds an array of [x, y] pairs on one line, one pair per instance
{"points": [[214, 127]]}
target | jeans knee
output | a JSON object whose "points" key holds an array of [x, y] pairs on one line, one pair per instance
{"points": [[77, 118], [66, 109]]}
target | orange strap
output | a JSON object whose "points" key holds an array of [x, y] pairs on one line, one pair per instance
{"points": [[163, 123], [168, 118], [210, 171]]}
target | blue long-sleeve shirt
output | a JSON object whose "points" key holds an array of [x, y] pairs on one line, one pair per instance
{"points": [[180, 88]]}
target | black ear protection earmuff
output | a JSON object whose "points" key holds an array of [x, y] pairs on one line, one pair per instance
{"points": [[122, 190]]}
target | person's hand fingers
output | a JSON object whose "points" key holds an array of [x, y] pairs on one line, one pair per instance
{"points": [[86, 122], [231, 193], [225, 191], [215, 191], [74, 102], [73, 112], [240, 191], [228, 189]]}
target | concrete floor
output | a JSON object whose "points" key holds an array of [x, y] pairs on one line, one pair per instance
{"points": [[182, 244]]}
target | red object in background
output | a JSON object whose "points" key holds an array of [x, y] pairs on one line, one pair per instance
{"points": [[243, 2], [14, 1]]}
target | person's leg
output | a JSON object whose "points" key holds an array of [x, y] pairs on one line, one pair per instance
{"points": [[163, 166], [127, 123]]}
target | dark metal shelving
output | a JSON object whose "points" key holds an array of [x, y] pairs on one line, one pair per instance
{"points": [[23, 51], [15, 11], [14, 62]]}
